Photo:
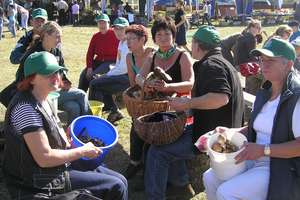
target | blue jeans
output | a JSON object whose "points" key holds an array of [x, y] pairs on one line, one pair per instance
{"points": [[104, 87], [12, 25], [74, 102], [99, 69], [166, 163], [102, 182]]}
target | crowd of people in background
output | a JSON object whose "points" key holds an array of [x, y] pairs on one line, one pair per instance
{"points": [[118, 57]]}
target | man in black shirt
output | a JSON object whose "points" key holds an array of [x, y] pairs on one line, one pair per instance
{"points": [[217, 98]]}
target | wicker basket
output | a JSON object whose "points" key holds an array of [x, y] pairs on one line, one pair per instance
{"points": [[137, 107], [160, 133]]}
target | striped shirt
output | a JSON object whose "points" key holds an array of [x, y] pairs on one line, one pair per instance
{"points": [[24, 118]]}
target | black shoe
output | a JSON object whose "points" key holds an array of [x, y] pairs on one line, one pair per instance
{"points": [[106, 109], [114, 116], [180, 192], [132, 170]]}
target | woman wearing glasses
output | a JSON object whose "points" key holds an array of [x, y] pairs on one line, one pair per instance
{"points": [[137, 37]]}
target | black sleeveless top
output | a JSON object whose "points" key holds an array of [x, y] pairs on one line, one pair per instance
{"points": [[174, 71]]}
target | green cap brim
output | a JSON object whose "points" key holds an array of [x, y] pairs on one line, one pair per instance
{"points": [[51, 69], [41, 16], [119, 25], [106, 20], [266, 52]]}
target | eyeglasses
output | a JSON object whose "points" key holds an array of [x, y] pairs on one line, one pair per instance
{"points": [[58, 72], [131, 38]]}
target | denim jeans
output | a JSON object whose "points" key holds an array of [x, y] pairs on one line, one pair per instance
{"points": [[104, 87], [74, 102], [12, 25], [100, 69], [24, 20], [166, 163], [102, 182]]}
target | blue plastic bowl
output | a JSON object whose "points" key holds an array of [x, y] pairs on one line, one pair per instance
{"points": [[96, 127]]}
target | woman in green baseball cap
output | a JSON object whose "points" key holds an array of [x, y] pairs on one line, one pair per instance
{"points": [[273, 132], [102, 52], [38, 156]]}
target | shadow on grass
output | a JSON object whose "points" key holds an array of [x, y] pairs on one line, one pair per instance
{"points": [[118, 159]]}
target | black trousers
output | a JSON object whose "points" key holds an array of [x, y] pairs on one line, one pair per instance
{"points": [[138, 147], [62, 17], [206, 18]]}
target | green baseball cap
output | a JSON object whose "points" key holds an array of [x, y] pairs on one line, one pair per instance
{"points": [[43, 63], [207, 34], [39, 13], [276, 48], [102, 17], [121, 21]]}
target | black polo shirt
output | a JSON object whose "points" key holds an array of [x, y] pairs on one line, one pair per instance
{"points": [[215, 74]]}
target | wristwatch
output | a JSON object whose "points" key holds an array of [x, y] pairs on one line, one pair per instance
{"points": [[267, 150]]}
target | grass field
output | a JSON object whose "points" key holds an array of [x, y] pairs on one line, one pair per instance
{"points": [[75, 44]]}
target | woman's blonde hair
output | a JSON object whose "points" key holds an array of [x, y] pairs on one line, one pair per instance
{"points": [[49, 28], [253, 23], [282, 29]]}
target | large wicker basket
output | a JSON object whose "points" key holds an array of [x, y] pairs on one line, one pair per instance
{"points": [[137, 107], [160, 133]]}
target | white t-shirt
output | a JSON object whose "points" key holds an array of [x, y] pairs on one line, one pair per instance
{"points": [[263, 123], [62, 5], [130, 17], [120, 67]]}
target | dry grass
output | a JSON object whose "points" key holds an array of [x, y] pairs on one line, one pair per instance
{"points": [[75, 44]]}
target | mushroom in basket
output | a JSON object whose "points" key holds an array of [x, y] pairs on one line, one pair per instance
{"points": [[157, 75], [223, 145]]}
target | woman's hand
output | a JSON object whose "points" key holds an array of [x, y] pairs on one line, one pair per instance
{"points": [[66, 85], [160, 85], [251, 151], [179, 103], [89, 150], [89, 73], [221, 129]]}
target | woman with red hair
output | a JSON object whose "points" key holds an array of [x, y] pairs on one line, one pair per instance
{"points": [[137, 37], [38, 160]]}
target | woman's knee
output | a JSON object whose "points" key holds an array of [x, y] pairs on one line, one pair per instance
{"points": [[119, 187], [208, 178]]}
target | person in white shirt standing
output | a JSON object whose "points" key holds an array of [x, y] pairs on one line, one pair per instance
{"points": [[62, 7], [24, 16], [75, 13], [207, 10], [116, 80], [11, 15]]}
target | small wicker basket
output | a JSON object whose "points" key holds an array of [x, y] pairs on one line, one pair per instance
{"points": [[138, 107], [162, 132]]}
